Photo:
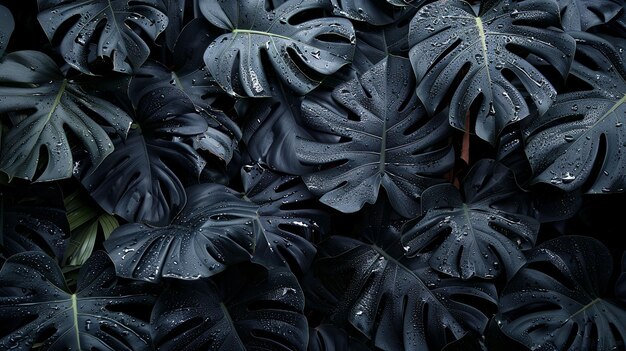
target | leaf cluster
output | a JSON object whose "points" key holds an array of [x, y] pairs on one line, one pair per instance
{"points": [[312, 175]]}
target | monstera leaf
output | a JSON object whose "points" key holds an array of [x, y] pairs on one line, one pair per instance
{"points": [[581, 15], [220, 137], [481, 232], [386, 139], [378, 295], [7, 24], [218, 228], [371, 11], [579, 141], [472, 302], [301, 50], [262, 310], [556, 302], [42, 103], [272, 127], [38, 311], [287, 216], [140, 181], [111, 29], [33, 219], [474, 58], [214, 230]]}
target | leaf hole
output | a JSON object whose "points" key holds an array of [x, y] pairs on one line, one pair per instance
{"points": [[140, 311], [619, 339], [575, 84], [306, 15], [43, 160], [445, 54], [418, 124], [486, 307], [182, 328], [333, 38], [532, 307], [435, 241], [268, 305], [45, 334], [334, 164], [293, 182], [302, 66], [571, 337], [116, 335], [598, 162]]}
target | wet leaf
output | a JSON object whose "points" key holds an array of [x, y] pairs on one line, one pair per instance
{"points": [[214, 230], [478, 231], [386, 140], [288, 215], [260, 311], [104, 312], [378, 295], [111, 29], [474, 57], [301, 47], [558, 300], [44, 108], [140, 180], [578, 143], [219, 227]]}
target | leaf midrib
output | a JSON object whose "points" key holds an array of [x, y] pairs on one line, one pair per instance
{"points": [[57, 101], [75, 320], [257, 32], [483, 42]]}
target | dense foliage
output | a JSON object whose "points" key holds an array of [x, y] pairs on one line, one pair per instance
{"points": [[312, 175]]}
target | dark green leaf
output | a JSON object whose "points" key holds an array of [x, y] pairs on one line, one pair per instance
{"points": [[86, 221], [386, 140], [380, 297], [7, 25], [140, 181], [103, 314], [107, 28], [218, 228], [472, 302], [288, 217], [557, 301], [301, 52], [480, 232], [578, 143], [474, 57], [259, 310], [215, 229], [44, 107]]}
